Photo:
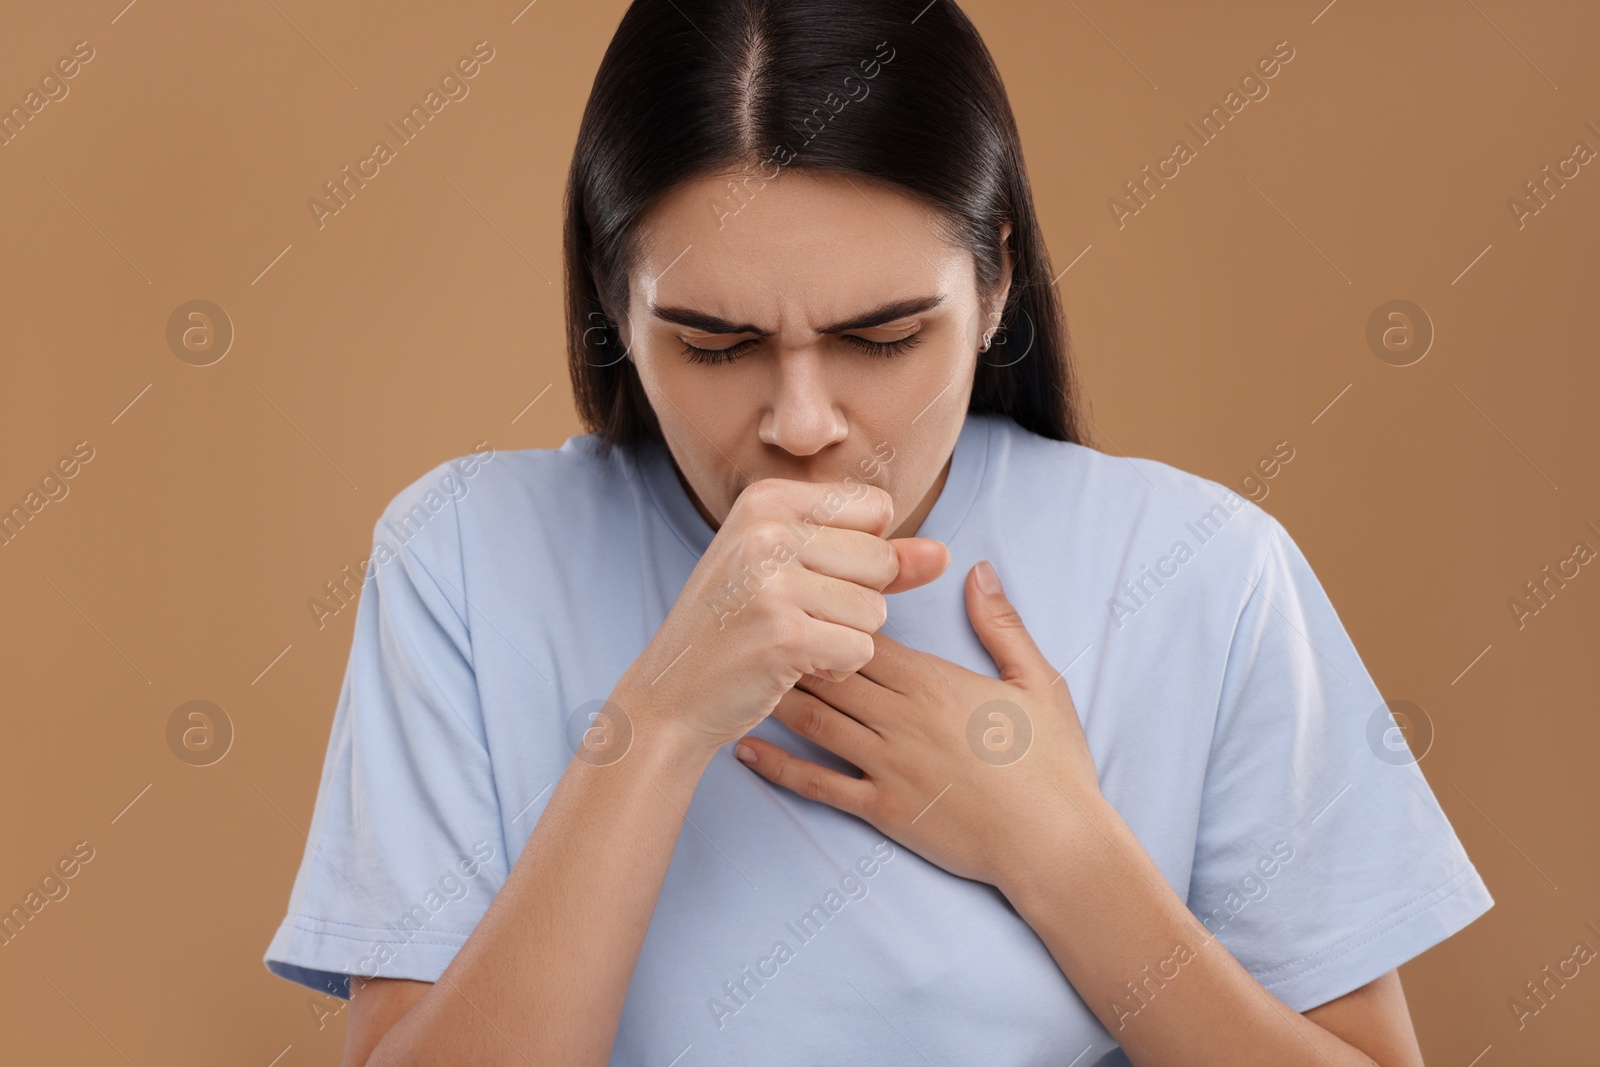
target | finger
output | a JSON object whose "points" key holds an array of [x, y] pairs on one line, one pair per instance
{"points": [[837, 731], [810, 780], [1000, 628], [849, 555], [832, 647], [851, 505], [922, 559], [855, 696], [889, 566], [901, 668], [837, 601]]}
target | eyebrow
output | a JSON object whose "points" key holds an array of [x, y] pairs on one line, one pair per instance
{"points": [[699, 320]]}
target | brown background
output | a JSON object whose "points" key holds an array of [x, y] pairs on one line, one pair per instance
{"points": [[425, 316]]}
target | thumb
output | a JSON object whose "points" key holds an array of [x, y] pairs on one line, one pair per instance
{"points": [[1000, 627], [922, 559]]}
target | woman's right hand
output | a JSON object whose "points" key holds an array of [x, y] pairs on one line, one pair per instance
{"points": [[775, 597]]}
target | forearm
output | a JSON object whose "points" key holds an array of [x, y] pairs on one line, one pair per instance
{"points": [[1168, 991], [543, 977]]}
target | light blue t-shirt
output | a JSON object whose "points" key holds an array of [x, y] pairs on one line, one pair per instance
{"points": [[1233, 725]]}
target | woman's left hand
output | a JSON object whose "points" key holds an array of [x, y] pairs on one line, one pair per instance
{"points": [[965, 770]]}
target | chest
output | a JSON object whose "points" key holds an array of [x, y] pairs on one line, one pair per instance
{"points": [[784, 924]]}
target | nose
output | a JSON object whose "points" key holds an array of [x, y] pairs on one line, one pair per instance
{"points": [[803, 418]]}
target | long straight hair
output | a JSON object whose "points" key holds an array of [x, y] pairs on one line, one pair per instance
{"points": [[904, 93]]}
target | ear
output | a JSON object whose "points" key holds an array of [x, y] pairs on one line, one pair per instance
{"points": [[618, 319], [623, 322], [1004, 288]]}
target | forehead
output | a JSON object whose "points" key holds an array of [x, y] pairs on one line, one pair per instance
{"points": [[812, 243]]}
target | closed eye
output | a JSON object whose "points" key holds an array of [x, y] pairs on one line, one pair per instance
{"points": [[882, 349]]}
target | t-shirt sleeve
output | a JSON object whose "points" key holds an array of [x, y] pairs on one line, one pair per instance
{"points": [[406, 849], [1323, 858]]}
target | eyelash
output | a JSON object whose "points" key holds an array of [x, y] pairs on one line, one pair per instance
{"points": [[880, 349]]}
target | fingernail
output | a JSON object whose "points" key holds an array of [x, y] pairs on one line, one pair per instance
{"points": [[988, 581], [745, 753]]}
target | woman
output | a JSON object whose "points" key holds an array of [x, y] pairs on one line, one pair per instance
{"points": [[1141, 804]]}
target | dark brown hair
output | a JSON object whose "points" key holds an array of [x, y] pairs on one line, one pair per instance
{"points": [[903, 93]]}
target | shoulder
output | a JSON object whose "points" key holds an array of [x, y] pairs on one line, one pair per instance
{"points": [[523, 472], [1133, 507], [458, 500]]}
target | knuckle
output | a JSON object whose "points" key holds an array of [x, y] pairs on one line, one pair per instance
{"points": [[763, 537], [761, 494], [890, 562], [880, 607], [788, 632], [871, 807], [885, 501], [1008, 619], [810, 719], [865, 648], [885, 504]]}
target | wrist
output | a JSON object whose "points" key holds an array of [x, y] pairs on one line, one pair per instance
{"points": [[1061, 840], [657, 726]]}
